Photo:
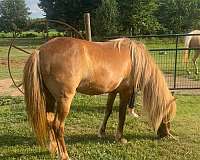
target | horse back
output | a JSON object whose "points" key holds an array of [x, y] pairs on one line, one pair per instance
{"points": [[195, 42], [89, 67]]}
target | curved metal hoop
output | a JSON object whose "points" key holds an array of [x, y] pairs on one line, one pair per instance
{"points": [[13, 46], [66, 25], [9, 68]]}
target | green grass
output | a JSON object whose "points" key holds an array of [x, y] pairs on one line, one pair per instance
{"points": [[17, 61], [18, 142]]}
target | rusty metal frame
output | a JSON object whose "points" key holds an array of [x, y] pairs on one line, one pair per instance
{"points": [[12, 45]]}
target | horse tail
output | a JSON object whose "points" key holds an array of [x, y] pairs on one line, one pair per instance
{"points": [[35, 98], [186, 55]]}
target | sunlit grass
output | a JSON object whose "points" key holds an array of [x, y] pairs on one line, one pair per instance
{"points": [[81, 126]]}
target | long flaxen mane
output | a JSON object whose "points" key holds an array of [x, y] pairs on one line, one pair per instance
{"points": [[158, 101]]}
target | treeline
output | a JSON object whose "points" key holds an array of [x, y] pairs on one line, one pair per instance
{"points": [[110, 17]]}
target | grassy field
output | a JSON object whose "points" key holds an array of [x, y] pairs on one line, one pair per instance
{"points": [[81, 126]]}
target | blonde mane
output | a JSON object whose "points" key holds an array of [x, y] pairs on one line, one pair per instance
{"points": [[158, 101]]}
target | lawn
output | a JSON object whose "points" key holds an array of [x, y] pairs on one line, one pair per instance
{"points": [[81, 126]]}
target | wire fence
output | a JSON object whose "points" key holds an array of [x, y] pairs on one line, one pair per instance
{"points": [[167, 51]]}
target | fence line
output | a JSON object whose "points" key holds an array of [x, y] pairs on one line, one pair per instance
{"points": [[170, 59]]}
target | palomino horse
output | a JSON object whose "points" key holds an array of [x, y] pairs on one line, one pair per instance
{"points": [[64, 66], [192, 42]]}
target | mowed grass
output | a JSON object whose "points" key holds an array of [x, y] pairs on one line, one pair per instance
{"points": [[81, 126]]}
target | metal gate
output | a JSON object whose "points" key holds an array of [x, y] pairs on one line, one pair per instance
{"points": [[167, 51]]}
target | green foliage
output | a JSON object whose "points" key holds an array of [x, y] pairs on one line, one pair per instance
{"points": [[178, 16], [108, 17], [13, 15], [104, 19], [69, 11], [137, 16], [127, 16]]}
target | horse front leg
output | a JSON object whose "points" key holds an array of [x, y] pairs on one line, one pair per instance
{"points": [[124, 99], [108, 111]]}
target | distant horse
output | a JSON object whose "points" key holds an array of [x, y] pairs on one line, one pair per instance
{"points": [[63, 66], [192, 42]]}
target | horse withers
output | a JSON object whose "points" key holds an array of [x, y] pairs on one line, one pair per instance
{"points": [[63, 66]]}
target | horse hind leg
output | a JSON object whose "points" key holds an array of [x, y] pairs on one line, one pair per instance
{"points": [[50, 119], [63, 107], [108, 111], [194, 60], [187, 68]]}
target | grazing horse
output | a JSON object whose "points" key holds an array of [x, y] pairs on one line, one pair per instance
{"points": [[63, 66], [192, 41]]}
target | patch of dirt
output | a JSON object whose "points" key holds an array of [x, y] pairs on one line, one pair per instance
{"points": [[7, 88], [15, 63], [183, 82]]}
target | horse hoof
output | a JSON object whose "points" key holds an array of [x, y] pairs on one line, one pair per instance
{"points": [[163, 136], [52, 148], [65, 157], [122, 140], [101, 134], [169, 136], [188, 72]]}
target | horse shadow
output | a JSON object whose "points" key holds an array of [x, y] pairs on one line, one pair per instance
{"points": [[92, 108], [109, 138], [88, 138], [13, 140], [40, 154], [7, 141]]}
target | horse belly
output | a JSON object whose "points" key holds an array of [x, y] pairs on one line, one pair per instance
{"points": [[95, 87]]}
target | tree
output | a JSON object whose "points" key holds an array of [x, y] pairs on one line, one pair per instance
{"points": [[137, 16], [105, 19], [179, 16], [13, 15], [69, 11]]}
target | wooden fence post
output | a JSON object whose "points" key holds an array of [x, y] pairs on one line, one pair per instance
{"points": [[87, 26]]}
